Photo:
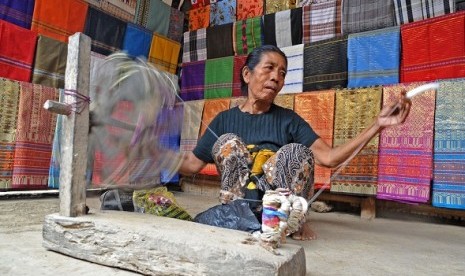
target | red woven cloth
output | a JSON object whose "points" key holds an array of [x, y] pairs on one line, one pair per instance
{"points": [[17, 49], [239, 61], [433, 48]]}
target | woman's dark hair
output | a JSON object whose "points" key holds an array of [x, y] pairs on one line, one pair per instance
{"points": [[255, 57]]}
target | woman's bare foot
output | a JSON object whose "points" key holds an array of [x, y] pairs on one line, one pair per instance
{"points": [[305, 233]]}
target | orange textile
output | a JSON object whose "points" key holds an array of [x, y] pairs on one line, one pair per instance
{"points": [[317, 109], [199, 18], [210, 110], [164, 53], [59, 19], [249, 8]]}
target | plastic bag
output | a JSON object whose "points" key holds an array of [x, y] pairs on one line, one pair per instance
{"points": [[118, 200], [234, 215]]}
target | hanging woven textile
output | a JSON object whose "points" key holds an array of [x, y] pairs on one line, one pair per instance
{"points": [[247, 35], [325, 64], [153, 15], [136, 41], [286, 101], [170, 122], [374, 57], [17, 12], [17, 49], [50, 62], [199, 18], [283, 28], [177, 4], [317, 109], [249, 8], [193, 80], [122, 9], [354, 111], [199, 3], [434, 48], [222, 12], [176, 24], [218, 77], [59, 19], [195, 45], [107, 32], [220, 41], [449, 146], [408, 11], [55, 161], [34, 137], [406, 151], [321, 21], [293, 82], [9, 100], [164, 53], [239, 62], [274, 6], [366, 15], [192, 119]]}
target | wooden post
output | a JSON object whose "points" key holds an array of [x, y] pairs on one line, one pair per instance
{"points": [[75, 130], [368, 206]]}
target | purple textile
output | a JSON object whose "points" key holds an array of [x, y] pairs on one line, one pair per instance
{"points": [[193, 80]]}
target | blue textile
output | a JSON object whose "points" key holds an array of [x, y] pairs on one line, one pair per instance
{"points": [[374, 57], [137, 41], [18, 12], [170, 123], [54, 170]]}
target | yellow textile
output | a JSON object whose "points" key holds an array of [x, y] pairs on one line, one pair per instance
{"points": [[164, 53]]}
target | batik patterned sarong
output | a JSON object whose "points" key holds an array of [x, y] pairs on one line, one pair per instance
{"points": [[433, 49], [325, 64], [193, 80], [408, 11], [50, 62], [17, 12], [283, 28], [366, 15], [9, 100], [293, 82], [449, 146], [354, 111], [321, 21], [34, 137], [17, 50], [374, 57], [317, 109], [219, 77], [59, 19], [406, 151], [222, 12]]}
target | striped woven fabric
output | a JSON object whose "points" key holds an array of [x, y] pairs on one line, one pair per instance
{"points": [[433, 48], [321, 21], [247, 35], [219, 41], [50, 62], [193, 80], [406, 151], [239, 62], [170, 123], [17, 12], [55, 161], [293, 82], [106, 31], [164, 53], [354, 111], [199, 18], [274, 6], [283, 28], [122, 9], [286, 101], [222, 12], [153, 15], [176, 24], [195, 45], [9, 100], [137, 40], [192, 120], [34, 137], [366, 15], [374, 57], [325, 64], [449, 146], [219, 77], [317, 109], [17, 49], [249, 8], [408, 11], [59, 19], [211, 108]]}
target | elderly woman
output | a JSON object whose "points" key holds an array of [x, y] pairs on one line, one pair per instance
{"points": [[235, 136]]}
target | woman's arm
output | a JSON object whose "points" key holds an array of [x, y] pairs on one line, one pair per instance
{"points": [[389, 116], [191, 164]]}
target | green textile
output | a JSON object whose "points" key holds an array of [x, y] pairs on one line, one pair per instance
{"points": [[252, 29], [218, 77]]}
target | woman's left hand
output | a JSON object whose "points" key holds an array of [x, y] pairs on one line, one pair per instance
{"points": [[396, 113]]}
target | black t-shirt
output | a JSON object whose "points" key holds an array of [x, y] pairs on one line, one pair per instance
{"points": [[271, 130]]}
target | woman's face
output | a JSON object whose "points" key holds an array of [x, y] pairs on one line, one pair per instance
{"points": [[267, 78]]}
